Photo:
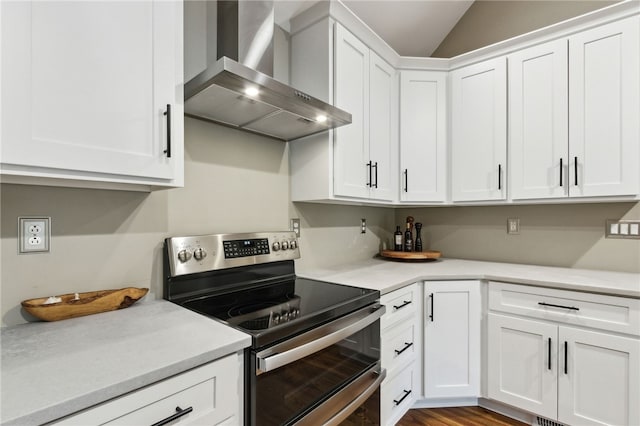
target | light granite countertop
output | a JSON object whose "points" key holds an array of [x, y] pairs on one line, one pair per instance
{"points": [[388, 275], [50, 370]]}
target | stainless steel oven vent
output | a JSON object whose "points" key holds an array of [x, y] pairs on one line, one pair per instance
{"points": [[238, 90]]}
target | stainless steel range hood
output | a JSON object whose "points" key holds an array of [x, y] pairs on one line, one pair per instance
{"points": [[238, 91]]}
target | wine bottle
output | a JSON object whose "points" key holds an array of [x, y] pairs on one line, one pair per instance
{"points": [[408, 239], [418, 226], [397, 239]]}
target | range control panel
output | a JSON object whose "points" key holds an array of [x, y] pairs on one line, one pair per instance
{"points": [[188, 255], [243, 248]]}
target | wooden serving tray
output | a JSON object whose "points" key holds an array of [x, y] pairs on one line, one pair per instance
{"points": [[92, 302], [411, 255]]}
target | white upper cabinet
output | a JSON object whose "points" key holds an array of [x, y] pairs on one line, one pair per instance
{"points": [[92, 91], [363, 149], [479, 131], [351, 155], [383, 110], [423, 136], [358, 161], [573, 115], [538, 121], [604, 110]]}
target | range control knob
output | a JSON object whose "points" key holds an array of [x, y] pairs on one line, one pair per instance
{"points": [[285, 245], [184, 255], [199, 253], [276, 246], [293, 244]]}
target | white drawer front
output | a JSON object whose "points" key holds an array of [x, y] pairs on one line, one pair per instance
{"points": [[399, 345], [212, 391], [612, 313], [400, 304], [398, 394]]}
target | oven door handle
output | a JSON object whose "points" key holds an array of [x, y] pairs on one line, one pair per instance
{"points": [[317, 339], [364, 386]]}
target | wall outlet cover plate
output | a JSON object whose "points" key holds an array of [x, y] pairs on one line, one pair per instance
{"points": [[34, 234]]}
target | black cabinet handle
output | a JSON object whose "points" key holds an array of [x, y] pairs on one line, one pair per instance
{"points": [[375, 166], [369, 167], [406, 394], [168, 114], [179, 413], [405, 303], [575, 170], [549, 361], [573, 308], [431, 314], [499, 176], [566, 367], [406, 346], [406, 180], [561, 172]]}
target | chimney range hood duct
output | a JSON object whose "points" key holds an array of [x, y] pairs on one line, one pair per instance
{"points": [[238, 90]]}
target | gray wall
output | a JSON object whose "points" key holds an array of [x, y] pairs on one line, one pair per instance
{"points": [[239, 182], [570, 235], [487, 22]]}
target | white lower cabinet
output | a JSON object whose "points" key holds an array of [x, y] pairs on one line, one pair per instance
{"points": [[564, 372], [452, 339], [401, 352], [210, 394]]}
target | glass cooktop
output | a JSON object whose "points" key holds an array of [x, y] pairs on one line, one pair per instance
{"points": [[276, 311]]}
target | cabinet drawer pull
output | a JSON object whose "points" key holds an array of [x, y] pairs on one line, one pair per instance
{"points": [[561, 172], [406, 346], [404, 303], [168, 114], [499, 176], [566, 367], [179, 413], [369, 182], [399, 401], [575, 170], [431, 312], [375, 166], [573, 308], [406, 180], [549, 354]]}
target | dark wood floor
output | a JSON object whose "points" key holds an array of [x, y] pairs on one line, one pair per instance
{"points": [[456, 416]]}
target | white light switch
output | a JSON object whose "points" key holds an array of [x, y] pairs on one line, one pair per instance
{"points": [[614, 229], [624, 229], [634, 229]]}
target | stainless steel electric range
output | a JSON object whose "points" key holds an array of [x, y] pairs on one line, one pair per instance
{"points": [[315, 353]]}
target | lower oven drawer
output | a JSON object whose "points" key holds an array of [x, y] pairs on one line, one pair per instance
{"points": [[397, 395]]}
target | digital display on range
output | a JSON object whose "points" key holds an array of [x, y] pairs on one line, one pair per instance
{"points": [[243, 248]]}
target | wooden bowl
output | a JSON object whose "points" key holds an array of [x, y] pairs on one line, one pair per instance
{"points": [[89, 303]]}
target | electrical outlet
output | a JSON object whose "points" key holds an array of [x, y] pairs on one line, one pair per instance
{"points": [[363, 226], [513, 225], [295, 226], [34, 234]]}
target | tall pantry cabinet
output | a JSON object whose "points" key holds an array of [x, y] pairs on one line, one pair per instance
{"points": [[92, 91]]}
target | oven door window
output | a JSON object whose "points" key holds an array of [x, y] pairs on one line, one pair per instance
{"points": [[285, 394]]}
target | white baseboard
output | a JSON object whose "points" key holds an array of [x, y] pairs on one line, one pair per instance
{"points": [[507, 410], [445, 402]]}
